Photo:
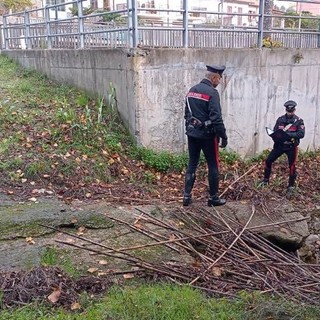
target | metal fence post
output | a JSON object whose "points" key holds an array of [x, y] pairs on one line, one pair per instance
{"points": [[318, 44], [5, 33], [27, 35], [132, 23], [1, 36], [185, 23], [48, 31], [81, 23], [260, 23]]}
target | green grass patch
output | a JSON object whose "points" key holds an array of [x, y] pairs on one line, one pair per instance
{"points": [[52, 256], [36, 168], [162, 161], [157, 302], [168, 302]]}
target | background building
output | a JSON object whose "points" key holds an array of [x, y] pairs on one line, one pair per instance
{"points": [[235, 8]]}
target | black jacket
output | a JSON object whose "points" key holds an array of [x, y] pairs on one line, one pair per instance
{"points": [[296, 131], [204, 102]]}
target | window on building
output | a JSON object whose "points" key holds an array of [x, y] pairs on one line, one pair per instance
{"points": [[94, 4], [240, 17], [227, 20], [121, 6], [250, 17], [198, 14], [54, 2]]}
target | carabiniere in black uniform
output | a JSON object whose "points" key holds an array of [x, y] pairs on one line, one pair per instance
{"points": [[204, 125], [295, 129]]}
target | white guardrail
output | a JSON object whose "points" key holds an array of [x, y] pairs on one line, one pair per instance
{"points": [[134, 26]]}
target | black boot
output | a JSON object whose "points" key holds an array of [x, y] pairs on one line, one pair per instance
{"points": [[186, 201], [289, 192], [266, 177], [292, 180], [214, 201], [188, 185], [263, 182]]}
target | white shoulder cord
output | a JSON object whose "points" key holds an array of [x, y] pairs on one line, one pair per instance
{"points": [[188, 104], [287, 127]]}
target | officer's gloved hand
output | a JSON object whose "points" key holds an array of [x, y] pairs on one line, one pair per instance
{"points": [[223, 143]]}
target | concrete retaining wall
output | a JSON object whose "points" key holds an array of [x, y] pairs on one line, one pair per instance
{"points": [[151, 86]]}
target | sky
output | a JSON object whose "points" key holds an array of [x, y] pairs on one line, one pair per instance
{"points": [[286, 4]]}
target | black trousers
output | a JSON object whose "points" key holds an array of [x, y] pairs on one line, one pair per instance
{"points": [[292, 157], [210, 149]]}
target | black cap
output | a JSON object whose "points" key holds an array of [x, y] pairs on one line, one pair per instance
{"points": [[290, 105], [216, 69]]}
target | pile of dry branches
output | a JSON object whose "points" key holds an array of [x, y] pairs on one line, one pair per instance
{"points": [[48, 284], [227, 257]]}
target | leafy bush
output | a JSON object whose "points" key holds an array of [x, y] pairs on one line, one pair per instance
{"points": [[269, 43], [162, 161]]}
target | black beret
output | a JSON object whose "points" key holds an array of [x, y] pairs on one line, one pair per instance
{"points": [[216, 69], [290, 104]]}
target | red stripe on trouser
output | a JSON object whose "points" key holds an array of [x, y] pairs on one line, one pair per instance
{"points": [[216, 151], [293, 165]]}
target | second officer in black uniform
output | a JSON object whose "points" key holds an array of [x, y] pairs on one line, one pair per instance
{"points": [[294, 127], [204, 128]]}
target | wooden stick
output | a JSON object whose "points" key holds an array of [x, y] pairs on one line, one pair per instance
{"points": [[225, 252], [235, 181]]}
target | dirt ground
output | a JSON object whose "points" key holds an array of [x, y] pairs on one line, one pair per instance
{"points": [[29, 227]]}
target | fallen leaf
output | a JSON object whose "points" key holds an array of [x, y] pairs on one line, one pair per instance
{"points": [[125, 171], [111, 161], [29, 240], [172, 237], [81, 229], [92, 270], [103, 262], [128, 276], [196, 264], [75, 306], [74, 220], [55, 295], [102, 274], [70, 240], [217, 271]]}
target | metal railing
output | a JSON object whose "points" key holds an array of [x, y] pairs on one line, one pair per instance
{"points": [[134, 26]]}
